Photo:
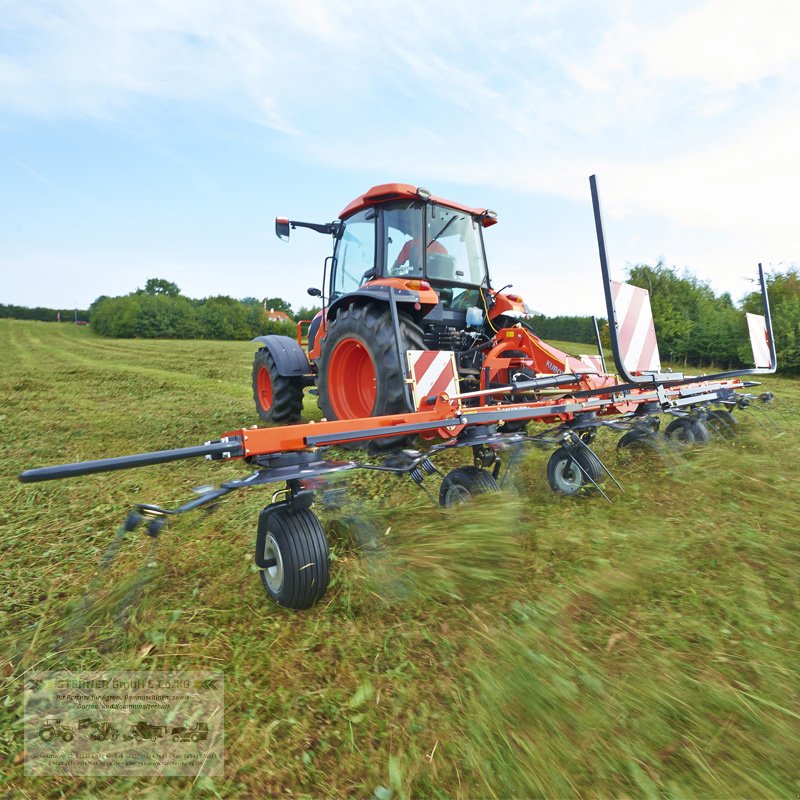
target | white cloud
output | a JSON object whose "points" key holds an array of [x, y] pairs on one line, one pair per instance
{"points": [[688, 112]]}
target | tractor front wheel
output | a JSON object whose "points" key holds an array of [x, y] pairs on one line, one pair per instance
{"points": [[279, 399], [463, 483], [297, 545]]}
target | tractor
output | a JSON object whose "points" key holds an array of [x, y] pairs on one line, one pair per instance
{"points": [[408, 273], [54, 729]]}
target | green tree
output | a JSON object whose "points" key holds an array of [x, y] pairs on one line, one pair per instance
{"points": [[307, 312], [223, 317], [279, 304], [161, 286]]}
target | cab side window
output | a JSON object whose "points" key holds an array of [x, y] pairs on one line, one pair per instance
{"points": [[355, 253], [403, 230]]}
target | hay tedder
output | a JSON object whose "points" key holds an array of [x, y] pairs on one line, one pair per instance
{"points": [[414, 347]]}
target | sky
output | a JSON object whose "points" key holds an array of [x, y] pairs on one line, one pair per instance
{"points": [[160, 138]]}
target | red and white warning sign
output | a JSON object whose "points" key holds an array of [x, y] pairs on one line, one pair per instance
{"points": [[759, 340], [635, 330], [594, 363], [433, 372]]}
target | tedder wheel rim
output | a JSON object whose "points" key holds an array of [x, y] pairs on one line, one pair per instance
{"points": [[568, 474], [352, 380], [264, 388], [273, 575], [456, 495]]}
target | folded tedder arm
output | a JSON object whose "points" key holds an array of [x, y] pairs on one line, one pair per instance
{"points": [[633, 337]]}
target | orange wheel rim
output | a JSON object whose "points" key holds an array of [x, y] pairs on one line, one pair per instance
{"points": [[351, 380], [264, 388]]}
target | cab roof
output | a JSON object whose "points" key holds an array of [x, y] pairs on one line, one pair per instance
{"points": [[387, 192]]}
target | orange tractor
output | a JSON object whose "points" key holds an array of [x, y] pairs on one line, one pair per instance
{"points": [[408, 273]]}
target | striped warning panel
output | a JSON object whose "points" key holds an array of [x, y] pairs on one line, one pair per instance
{"points": [[759, 340], [635, 330], [433, 372], [594, 363]]}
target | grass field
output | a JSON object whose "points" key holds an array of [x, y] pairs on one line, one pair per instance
{"points": [[525, 646]]}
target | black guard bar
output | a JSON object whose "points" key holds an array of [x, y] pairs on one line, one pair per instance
{"points": [[220, 449]]}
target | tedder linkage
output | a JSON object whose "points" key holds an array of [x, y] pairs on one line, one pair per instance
{"points": [[573, 403], [291, 547]]}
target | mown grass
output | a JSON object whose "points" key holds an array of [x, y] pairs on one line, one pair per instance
{"points": [[525, 646]]}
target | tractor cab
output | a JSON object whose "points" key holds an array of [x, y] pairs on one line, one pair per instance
{"points": [[407, 274], [396, 233]]}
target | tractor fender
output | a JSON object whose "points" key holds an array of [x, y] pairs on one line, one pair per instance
{"points": [[290, 358], [371, 294]]}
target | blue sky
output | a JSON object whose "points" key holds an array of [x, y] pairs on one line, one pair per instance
{"points": [[160, 138]]}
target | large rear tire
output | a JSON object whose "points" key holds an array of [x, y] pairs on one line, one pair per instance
{"points": [[359, 375], [278, 399]]}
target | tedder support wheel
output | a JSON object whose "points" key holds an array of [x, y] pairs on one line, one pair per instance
{"points": [[686, 430], [359, 374], [462, 483], [297, 543], [564, 470], [722, 423], [278, 398], [642, 440]]}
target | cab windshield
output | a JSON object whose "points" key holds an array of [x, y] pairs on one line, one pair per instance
{"points": [[453, 249], [415, 240]]}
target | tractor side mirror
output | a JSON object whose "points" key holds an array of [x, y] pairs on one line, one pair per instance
{"points": [[282, 228], [315, 292]]}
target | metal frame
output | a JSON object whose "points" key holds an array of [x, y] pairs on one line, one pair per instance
{"points": [[651, 378]]}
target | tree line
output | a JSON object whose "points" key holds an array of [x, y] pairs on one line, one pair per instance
{"points": [[160, 311], [565, 328], [694, 325], [43, 314], [698, 327]]}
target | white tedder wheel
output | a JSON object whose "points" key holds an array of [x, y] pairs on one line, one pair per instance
{"points": [[297, 543], [463, 483], [686, 430], [564, 473]]}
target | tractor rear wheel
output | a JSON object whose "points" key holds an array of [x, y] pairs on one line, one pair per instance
{"points": [[278, 399], [462, 483], [297, 544], [359, 374]]}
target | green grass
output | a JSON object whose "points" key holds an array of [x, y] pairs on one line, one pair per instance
{"points": [[527, 645]]}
